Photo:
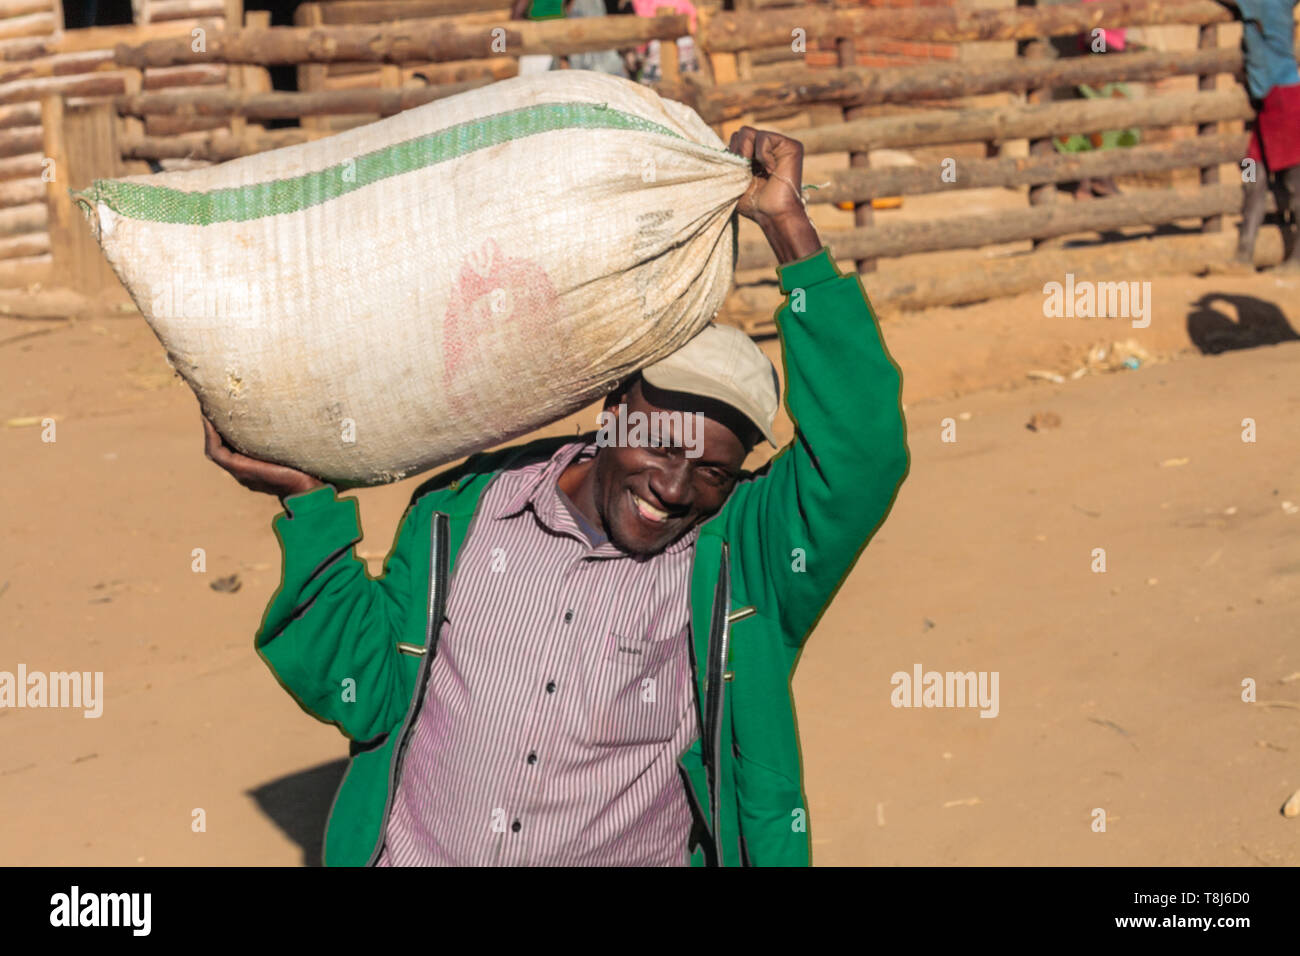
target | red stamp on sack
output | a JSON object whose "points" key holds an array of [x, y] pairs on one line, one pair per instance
{"points": [[498, 305]]}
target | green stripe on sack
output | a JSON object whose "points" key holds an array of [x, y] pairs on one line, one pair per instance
{"points": [[280, 196]]}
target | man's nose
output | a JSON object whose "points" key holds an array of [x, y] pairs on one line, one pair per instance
{"points": [[672, 483]]}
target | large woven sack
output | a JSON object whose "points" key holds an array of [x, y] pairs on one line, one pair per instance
{"points": [[372, 304]]}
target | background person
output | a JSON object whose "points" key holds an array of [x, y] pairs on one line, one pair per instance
{"points": [[1273, 82]]}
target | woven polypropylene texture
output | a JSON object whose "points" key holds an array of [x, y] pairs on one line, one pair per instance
{"points": [[391, 298]]}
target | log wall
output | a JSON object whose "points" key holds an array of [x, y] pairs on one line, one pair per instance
{"points": [[40, 59], [864, 77]]}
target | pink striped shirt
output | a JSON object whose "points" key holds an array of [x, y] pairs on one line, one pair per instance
{"points": [[559, 700]]}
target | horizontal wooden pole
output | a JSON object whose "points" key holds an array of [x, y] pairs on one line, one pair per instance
{"points": [[862, 86], [21, 192], [58, 303], [767, 56], [215, 147], [1147, 207], [434, 74], [98, 38], [16, 8], [60, 64], [179, 125], [428, 41], [861, 185], [160, 10], [31, 244], [86, 84], [494, 15], [23, 272], [19, 140], [29, 25], [740, 30], [286, 105], [194, 74], [1025, 121], [20, 114], [15, 220], [384, 11], [22, 167]]}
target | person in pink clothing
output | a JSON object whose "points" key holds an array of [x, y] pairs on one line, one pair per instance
{"points": [[1114, 39], [648, 8], [649, 54]]}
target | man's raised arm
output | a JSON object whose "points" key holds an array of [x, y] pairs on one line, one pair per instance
{"points": [[818, 502]]}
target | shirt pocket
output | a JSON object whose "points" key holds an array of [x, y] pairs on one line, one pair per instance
{"points": [[635, 689]]}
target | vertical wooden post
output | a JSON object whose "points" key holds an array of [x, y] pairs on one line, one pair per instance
{"points": [[256, 79], [80, 146], [311, 76], [235, 83], [725, 68], [233, 12], [1208, 39], [669, 67], [390, 76], [1033, 49], [847, 55]]}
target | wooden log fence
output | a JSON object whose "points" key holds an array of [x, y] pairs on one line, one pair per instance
{"points": [[1017, 121], [429, 41], [861, 185], [862, 86], [1141, 208], [361, 57], [226, 103], [731, 31]]}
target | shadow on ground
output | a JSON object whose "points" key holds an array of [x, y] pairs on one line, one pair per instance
{"points": [[1214, 330], [300, 804]]}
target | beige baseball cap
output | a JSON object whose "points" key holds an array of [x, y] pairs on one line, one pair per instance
{"points": [[724, 364]]}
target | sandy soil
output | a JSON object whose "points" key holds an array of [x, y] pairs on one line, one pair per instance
{"points": [[1120, 691]]}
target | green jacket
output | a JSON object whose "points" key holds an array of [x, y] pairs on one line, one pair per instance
{"points": [[355, 650]]}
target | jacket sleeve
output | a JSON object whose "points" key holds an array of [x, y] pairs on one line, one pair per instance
{"points": [[802, 522], [330, 633]]}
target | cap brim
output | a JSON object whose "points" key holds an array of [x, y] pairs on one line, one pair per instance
{"points": [[689, 383]]}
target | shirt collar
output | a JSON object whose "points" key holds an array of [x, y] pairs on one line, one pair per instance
{"points": [[533, 490]]}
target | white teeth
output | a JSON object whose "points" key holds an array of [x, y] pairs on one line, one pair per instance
{"points": [[648, 511]]}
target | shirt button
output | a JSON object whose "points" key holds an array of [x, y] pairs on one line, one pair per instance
{"points": [[568, 617], [550, 687], [516, 826], [532, 758]]}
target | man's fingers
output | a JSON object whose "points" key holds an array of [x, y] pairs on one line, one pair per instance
{"points": [[742, 142], [211, 439], [221, 453]]}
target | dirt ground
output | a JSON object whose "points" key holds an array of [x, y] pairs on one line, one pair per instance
{"points": [[1119, 691]]}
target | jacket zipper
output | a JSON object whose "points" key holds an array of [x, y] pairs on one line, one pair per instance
{"points": [[715, 693], [438, 562]]}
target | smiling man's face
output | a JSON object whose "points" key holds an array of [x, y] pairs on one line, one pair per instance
{"points": [[648, 497]]}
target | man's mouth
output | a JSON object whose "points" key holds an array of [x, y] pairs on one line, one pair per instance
{"points": [[648, 511]]}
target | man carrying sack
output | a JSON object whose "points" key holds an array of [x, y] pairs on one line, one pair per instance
{"points": [[580, 651]]}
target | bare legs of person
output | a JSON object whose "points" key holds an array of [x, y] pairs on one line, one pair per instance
{"points": [[1254, 205], [1286, 188]]}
